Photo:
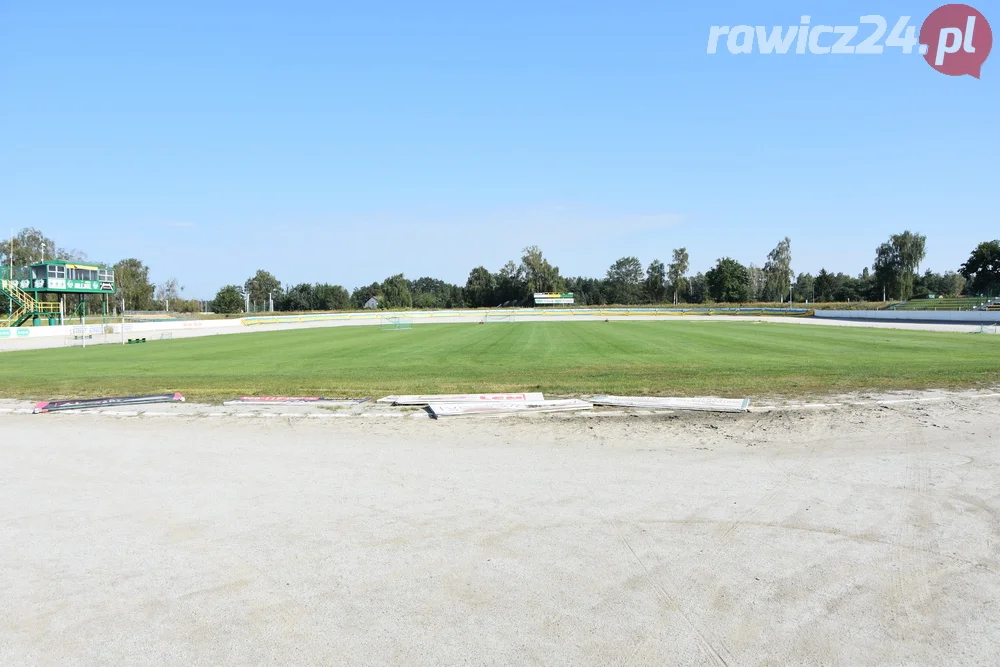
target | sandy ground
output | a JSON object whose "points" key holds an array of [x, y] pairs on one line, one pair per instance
{"points": [[14, 344], [857, 535]]}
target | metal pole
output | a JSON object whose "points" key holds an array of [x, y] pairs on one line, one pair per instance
{"points": [[10, 276]]}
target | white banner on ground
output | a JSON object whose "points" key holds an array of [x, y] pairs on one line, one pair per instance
{"points": [[295, 400], [427, 399], [708, 404], [506, 408]]}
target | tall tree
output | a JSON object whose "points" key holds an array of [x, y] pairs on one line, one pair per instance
{"points": [[896, 262], [587, 291], [778, 270], [982, 269], [824, 285], [168, 291], [624, 278], [511, 285], [728, 281], [539, 274], [31, 246], [330, 297], [228, 300], [396, 292], [299, 298], [677, 270], [911, 250], [804, 287], [947, 284], [757, 283], [430, 293], [952, 284], [480, 288], [132, 284], [261, 286], [656, 279], [697, 289], [886, 269]]}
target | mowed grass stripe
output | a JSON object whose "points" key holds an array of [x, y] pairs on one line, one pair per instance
{"points": [[561, 358]]}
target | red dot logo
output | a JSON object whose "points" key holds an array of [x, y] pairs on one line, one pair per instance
{"points": [[956, 40]]}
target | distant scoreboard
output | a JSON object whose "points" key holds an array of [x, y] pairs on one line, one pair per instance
{"points": [[549, 298]]}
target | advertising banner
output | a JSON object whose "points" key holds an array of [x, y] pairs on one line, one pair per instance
{"points": [[544, 298], [461, 398], [295, 400], [506, 408], [80, 404], [656, 402]]}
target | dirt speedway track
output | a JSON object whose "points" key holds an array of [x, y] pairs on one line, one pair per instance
{"points": [[851, 536]]}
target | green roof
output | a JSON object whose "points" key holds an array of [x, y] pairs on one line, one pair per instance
{"points": [[73, 262]]}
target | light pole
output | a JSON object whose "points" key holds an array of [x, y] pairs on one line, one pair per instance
{"points": [[43, 252], [10, 276]]}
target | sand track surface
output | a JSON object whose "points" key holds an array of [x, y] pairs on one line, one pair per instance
{"points": [[858, 535]]}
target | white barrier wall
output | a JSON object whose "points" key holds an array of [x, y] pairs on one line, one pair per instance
{"points": [[944, 316], [130, 327]]}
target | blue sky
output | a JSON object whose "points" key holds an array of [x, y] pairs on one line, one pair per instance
{"points": [[341, 142]]}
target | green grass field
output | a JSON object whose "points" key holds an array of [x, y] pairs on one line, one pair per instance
{"points": [[561, 358]]}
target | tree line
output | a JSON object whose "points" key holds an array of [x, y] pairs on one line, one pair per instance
{"points": [[894, 275]]}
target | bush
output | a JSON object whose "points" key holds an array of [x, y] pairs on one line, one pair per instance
{"points": [[228, 300]]}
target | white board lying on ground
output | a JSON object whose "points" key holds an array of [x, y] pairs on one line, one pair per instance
{"points": [[707, 404], [427, 399], [295, 400], [506, 407]]}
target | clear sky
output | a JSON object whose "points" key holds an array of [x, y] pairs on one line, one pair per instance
{"points": [[344, 141]]}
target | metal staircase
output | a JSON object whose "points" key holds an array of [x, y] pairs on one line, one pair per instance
{"points": [[25, 305]]}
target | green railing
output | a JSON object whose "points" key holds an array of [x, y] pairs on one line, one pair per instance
{"points": [[18, 273]]}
